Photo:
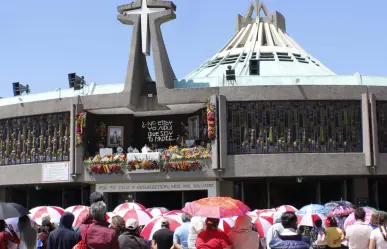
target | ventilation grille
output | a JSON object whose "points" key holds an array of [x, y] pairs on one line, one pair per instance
{"points": [[243, 57], [215, 62], [300, 59], [266, 57], [284, 57], [230, 59]]}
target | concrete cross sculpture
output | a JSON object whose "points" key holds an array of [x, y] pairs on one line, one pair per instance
{"points": [[146, 16]]}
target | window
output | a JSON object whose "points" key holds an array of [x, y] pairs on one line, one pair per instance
{"points": [[266, 127]]}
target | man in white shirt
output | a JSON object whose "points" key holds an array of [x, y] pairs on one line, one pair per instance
{"points": [[195, 227], [358, 235]]}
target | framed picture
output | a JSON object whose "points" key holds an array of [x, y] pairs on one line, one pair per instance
{"points": [[193, 128], [115, 136]]}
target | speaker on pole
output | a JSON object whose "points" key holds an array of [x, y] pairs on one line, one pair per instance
{"points": [[18, 89]]}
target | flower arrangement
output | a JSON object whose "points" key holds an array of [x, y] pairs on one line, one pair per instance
{"points": [[101, 130], [143, 164], [182, 166], [107, 165], [184, 159], [80, 122], [211, 121], [176, 153]]}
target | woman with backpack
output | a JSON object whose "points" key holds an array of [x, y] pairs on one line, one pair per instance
{"points": [[318, 235]]}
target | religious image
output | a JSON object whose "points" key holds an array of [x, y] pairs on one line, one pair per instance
{"points": [[115, 136]]}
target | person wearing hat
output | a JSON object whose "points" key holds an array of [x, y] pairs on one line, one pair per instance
{"points": [[163, 238], [130, 237]]}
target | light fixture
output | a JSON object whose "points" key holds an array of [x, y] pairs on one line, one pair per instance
{"points": [[37, 187], [300, 179]]}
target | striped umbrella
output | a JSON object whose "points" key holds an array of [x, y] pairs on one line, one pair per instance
{"points": [[175, 212], [79, 215], [157, 211], [72, 209], [143, 217], [36, 214], [262, 225], [286, 208], [128, 205], [310, 216], [226, 224], [155, 224]]}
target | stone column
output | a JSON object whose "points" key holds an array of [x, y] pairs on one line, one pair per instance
{"points": [[374, 130], [226, 188], [76, 152], [366, 130], [3, 195], [215, 143], [222, 134]]}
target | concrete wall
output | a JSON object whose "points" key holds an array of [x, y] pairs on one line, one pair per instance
{"points": [[325, 164]]}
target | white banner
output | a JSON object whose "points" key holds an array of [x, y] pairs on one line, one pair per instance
{"points": [[55, 172], [210, 186]]}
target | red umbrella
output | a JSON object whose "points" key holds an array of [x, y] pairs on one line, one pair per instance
{"points": [[175, 212], [286, 208], [157, 211], [262, 225], [129, 205], [155, 224], [216, 207], [226, 224], [72, 209], [143, 217]]}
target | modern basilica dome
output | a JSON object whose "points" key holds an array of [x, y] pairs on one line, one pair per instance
{"points": [[260, 46]]}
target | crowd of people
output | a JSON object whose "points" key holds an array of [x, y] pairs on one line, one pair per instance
{"points": [[95, 232]]}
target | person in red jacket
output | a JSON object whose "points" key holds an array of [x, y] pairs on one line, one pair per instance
{"points": [[6, 237], [97, 234]]}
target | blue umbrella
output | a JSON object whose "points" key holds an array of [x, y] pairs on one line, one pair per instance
{"points": [[316, 209]]}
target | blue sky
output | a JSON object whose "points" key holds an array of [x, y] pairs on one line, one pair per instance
{"points": [[42, 41]]}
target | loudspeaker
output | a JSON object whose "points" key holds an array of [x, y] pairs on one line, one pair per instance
{"points": [[18, 89]]}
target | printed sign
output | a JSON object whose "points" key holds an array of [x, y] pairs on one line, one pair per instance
{"points": [[55, 172], [159, 131], [211, 186]]}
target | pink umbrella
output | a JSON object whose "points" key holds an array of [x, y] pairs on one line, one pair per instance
{"points": [[143, 217], [286, 208], [262, 225], [36, 214], [155, 224], [341, 211], [129, 205], [226, 224], [351, 218], [72, 209], [157, 211]]}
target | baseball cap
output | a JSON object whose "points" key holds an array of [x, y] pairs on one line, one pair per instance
{"points": [[131, 224], [96, 197]]}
